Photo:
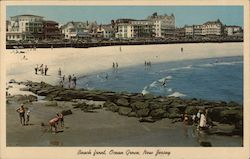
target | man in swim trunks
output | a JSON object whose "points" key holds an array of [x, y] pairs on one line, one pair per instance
{"points": [[21, 112]]}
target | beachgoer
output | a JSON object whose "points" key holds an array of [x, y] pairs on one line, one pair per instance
{"points": [[74, 81], [63, 78], [41, 69], [185, 119], [61, 119], [107, 76], [69, 77], [46, 70], [182, 49], [120, 49], [28, 116], [21, 112], [194, 119], [203, 121], [53, 123], [36, 69], [61, 83], [113, 65], [116, 65], [59, 72]]}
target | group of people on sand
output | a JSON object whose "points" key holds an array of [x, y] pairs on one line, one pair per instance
{"points": [[201, 119], [71, 79], [147, 63], [24, 115], [115, 65], [43, 69]]}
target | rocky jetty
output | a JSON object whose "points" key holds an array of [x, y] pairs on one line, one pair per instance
{"points": [[147, 108]]}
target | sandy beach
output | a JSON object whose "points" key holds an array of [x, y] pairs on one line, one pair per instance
{"points": [[83, 62], [102, 128]]}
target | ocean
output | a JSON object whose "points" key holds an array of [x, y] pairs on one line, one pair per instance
{"points": [[215, 79]]}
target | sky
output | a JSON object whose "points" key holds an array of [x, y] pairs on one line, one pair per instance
{"points": [[184, 15]]}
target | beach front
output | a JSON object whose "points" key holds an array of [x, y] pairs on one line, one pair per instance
{"points": [[101, 127], [82, 62]]}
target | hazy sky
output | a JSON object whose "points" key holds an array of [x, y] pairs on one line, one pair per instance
{"points": [[229, 15]]}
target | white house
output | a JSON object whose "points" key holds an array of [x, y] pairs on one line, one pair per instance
{"points": [[74, 30]]}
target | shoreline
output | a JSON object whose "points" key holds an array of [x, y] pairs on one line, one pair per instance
{"points": [[86, 61]]}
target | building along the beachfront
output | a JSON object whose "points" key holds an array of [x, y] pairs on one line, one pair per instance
{"points": [[75, 30], [179, 32], [164, 25], [25, 27], [129, 28], [51, 30], [214, 28], [193, 30], [106, 31], [233, 30]]}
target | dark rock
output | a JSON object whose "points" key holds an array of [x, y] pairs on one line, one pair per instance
{"points": [[142, 112], [205, 144], [124, 110], [148, 96], [181, 108], [139, 105], [155, 105], [122, 102], [12, 81], [157, 113], [51, 104], [192, 110], [66, 112], [175, 120], [231, 116], [147, 119], [111, 106], [132, 114], [25, 89]]}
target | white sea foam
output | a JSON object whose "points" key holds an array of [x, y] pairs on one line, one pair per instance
{"points": [[144, 92], [220, 63], [182, 68], [177, 94], [154, 84], [170, 90], [228, 63], [165, 78]]}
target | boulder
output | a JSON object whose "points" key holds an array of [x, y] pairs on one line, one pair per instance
{"points": [[181, 108], [12, 81], [215, 113], [51, 104], [111, 106], [122, 102], [142, 112], [157, 113], [139, 105], [147, 119], [231, 116], [124, 110], [66, 112], [205, 144], [25, 89], [132, 114]]}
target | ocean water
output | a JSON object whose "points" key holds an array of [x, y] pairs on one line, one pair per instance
{"points": [[210, 79]]}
